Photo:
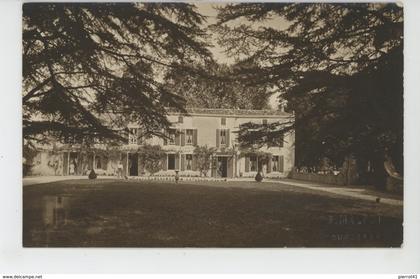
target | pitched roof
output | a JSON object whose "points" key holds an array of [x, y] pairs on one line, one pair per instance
{"points": [[232, 112]]}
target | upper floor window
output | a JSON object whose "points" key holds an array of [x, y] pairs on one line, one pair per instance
{"points": [[98, 140], [69, 139], [189, 135], [223, 137], [264, 121], [281, 140], [76, 139], [132, 135], [223, 121], [180, 119], [171, 135]]}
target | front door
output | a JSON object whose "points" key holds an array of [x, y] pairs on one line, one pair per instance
{"points": [[133, 164], [171, 162], [222, 166]]}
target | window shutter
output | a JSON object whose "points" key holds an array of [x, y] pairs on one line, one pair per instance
{"points": [[105, 163], [177, 138], [65, 163], [141, 165], [281, 163], [90, 161], [217, 138], [124, 163], [247, 164], [183, 162], [270, 160], [194, 163], [165, 162], [165, 140], [213, 165], [176, 161], [227, 137], [124, 133], [281, 140], [183, 137], [195, 136], [165, 133], [139, 137]]}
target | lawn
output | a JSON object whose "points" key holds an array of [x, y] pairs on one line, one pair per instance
{"points": [[115, 213]]}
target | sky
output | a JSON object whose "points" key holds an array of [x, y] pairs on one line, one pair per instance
{"points": [[208, 10]]}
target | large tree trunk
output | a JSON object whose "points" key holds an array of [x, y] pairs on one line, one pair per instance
{"points": [[379, 174]]}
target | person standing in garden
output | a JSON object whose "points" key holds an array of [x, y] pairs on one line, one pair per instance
{"points": [[120, 169]]}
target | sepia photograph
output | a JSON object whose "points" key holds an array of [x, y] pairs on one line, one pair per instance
{"points": [[212, 125]]}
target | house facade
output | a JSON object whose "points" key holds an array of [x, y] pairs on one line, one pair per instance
{"points": [[214, 128]]}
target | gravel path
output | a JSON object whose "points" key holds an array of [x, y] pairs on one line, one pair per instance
{"points": [[358, 193], [345, 191]]}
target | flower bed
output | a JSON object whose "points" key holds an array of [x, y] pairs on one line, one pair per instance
{"points": [[172, 178], [338, 179]]}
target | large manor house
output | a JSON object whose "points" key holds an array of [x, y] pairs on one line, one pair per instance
{"points": [[214, 128]]}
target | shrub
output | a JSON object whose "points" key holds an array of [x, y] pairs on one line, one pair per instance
{"points": [[92, 175], [151, 156], [203, 157], [258, 177]]}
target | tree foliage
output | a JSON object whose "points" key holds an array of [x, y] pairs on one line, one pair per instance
{"points": [[339, 66], [151, 157], [88, 67], [217, 89], [253, 134], [203, 158]]}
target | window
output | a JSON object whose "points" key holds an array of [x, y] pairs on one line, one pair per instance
{"points": [[74, 139], [171, 135], [180, 119], [171, 161], [253, 162], [281, 140], [223, 140], [275, 163], [98, 163], [188, 162], [101, 162], [132, 135], [223, 121], [189, 137], [69, 139], [264, 122]]}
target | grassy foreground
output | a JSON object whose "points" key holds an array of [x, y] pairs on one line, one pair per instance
{"points": [[113, 213]]}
